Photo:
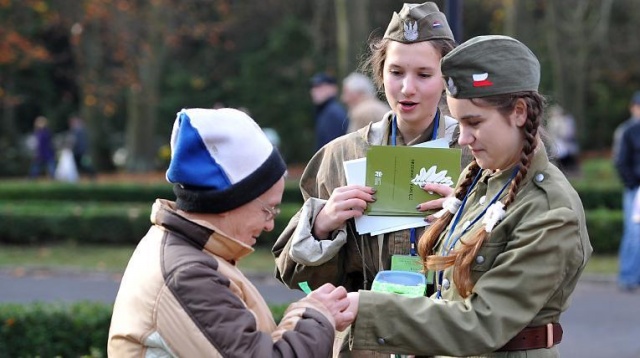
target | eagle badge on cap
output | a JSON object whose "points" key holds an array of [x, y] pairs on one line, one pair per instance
{"points": [[481, 80], [411, 31], [451, 87]]}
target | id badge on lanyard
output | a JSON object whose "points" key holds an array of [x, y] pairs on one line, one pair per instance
{"points": [[412, 261]]}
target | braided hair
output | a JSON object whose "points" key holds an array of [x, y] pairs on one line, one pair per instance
{"points": [[462, 258]]}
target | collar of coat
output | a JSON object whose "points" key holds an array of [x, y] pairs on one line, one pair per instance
{"points": [[199, 233], [379, 133]]}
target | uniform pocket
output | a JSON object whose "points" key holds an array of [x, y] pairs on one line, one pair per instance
{"points": [[487, 255]]}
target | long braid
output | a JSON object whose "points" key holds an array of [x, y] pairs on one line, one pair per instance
{"points": [[465, 256], [534, 114], [430, 236]]}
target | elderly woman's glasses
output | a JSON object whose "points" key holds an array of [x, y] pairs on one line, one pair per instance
{"points": [[271, 211]]}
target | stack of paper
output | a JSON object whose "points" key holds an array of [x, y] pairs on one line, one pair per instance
{"points": [[398, 174], [355, 171]]}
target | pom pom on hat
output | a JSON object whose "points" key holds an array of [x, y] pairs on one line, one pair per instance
{"points": [[220, 160], [418, 22], [490, 65]]}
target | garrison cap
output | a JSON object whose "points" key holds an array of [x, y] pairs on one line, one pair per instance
{"points": [[418, 22], [490, 65]]}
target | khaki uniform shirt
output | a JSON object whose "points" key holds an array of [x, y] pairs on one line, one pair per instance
{"points": [[347, 258], [525, 273]]}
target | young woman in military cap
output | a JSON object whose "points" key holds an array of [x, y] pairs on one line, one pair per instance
{"points": [[321, 243], [512, 241]]}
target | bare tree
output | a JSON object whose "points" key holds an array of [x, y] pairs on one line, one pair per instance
{"points": [[574, 30]]}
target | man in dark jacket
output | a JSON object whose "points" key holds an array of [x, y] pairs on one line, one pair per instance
{"points": [[626, 155], [331, 117]]}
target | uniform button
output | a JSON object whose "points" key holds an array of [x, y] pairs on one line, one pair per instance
{"points": [[479, 260], [381, 341], [539, 177], [482, 199], [446, 284]]}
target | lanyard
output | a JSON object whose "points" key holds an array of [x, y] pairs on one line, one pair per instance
{"points": [[394, 128], [448, 245], [434, 136]]}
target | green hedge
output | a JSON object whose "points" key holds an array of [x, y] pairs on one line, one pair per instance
{"points": [[605, 194], [605, 230], [54, 330], [43, 222], [37, 222], [125, 223], [100, 192], [596, 196], [61, 330]]}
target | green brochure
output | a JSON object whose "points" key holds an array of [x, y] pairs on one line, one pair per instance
{"points": [[398, 174]]}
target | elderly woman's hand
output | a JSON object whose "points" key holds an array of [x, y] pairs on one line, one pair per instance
{"points": [[345, 202], [435, 204], [336, 301]]}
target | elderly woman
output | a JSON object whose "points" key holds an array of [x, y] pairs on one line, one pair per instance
{"points": [[182, 293]]}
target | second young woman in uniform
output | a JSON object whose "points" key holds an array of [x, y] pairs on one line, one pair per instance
{"points": [[321, 243], [407, 64], [513, 242]]}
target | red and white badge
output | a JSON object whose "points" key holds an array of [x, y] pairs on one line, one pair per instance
{"points": [[481, 80]]}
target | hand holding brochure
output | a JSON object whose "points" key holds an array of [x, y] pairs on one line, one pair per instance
{"points": [[398, 174]]}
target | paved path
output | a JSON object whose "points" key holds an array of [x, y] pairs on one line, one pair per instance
{"points": [[69, 286], [601, 322]]}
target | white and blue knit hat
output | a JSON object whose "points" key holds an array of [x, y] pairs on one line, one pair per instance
{"points": [[220, 160]]}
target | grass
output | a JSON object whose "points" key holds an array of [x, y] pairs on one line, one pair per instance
{"points": [[602, 265], [114, 259], [83, 258], [104, 258]]}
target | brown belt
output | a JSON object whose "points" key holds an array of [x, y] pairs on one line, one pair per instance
{"points": [[545, 336]]}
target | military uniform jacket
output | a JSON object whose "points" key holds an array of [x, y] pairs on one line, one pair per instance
{"points": [[182, 295], [347, 258], [524, 275]]}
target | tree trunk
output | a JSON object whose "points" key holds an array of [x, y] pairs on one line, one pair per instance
{"points": [[575, 28], [8, 136], [143, 99], [342, 37], [319, 17], [88, 54], [359, 31]]}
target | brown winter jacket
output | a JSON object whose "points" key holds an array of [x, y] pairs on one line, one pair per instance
{"points": [[182, 295]]}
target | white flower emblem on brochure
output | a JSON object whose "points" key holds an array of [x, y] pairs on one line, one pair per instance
{"points": [[432, 176]]}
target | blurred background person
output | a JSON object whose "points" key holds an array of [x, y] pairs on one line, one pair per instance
{"points": [[66, 168], [80, 146], [44, 156], [331, 117], [364, 107], [562, 129], [626, 157]]}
